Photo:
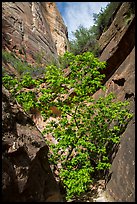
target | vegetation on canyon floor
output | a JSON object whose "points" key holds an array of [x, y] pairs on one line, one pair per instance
{"points": [[86, 129]]}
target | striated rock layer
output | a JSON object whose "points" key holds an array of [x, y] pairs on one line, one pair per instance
{"points": [[32, 29]]}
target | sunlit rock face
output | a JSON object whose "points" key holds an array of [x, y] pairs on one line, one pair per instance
{"points": [[29, 28], [58, 30]]}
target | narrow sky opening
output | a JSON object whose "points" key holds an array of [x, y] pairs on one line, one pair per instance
{"points": [[75, 14]]}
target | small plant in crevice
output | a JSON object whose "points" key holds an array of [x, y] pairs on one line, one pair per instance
{"points": [[38, 57]]}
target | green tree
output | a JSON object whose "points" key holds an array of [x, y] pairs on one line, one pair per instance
{"points": [[84, 41], [86, 129]]}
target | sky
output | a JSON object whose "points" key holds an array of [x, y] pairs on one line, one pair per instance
{"points": [[75, 14]]}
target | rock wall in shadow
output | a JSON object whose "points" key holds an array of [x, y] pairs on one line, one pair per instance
{"points": [[118, 41], [26, 173], [119, 53]]}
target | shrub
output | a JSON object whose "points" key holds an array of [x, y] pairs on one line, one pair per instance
{"points": [[9, 82], [28, 82], [21, 66], [27, 100]]}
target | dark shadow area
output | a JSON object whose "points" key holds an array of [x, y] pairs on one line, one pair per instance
{"points": [[119, 56], [119, 82], [128, 95], [26, 172]]}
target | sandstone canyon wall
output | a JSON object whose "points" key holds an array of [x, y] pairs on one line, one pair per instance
{"points": [[38, 26], [34, 27], [118, 50], [26, 173]]}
